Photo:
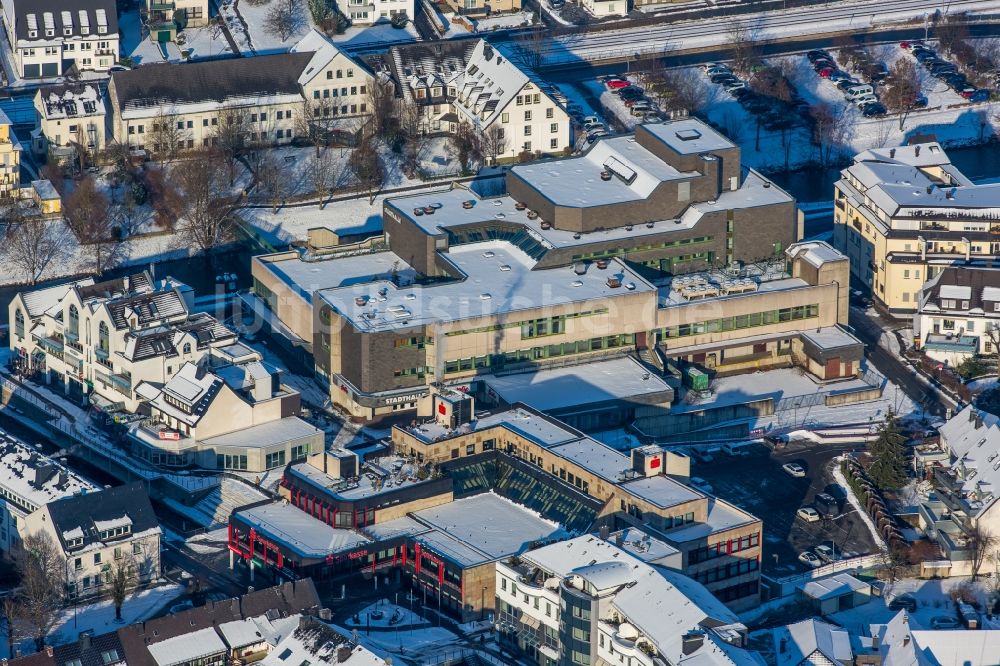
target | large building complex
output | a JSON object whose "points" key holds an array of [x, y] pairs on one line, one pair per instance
{"points": [[902, 215], [358, 510], [49, 38], [699, 266], [133, 345]]}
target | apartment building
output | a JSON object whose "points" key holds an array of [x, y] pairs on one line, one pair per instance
{"points": [[166, 17], [718, 543], [472, 286], [601, 600], [96, 533], [236, 416], [902, 215], [271, 97], [102, 339], [471, 82], [10, 159], [69, 117], [959, 315], [50, 37], [964, 497], [29, 481]]}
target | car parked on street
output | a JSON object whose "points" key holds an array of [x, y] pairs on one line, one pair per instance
{"points": [[810, 559], [903, 602], [794, 469], [616, 84], [875, 110], [808, 514]]}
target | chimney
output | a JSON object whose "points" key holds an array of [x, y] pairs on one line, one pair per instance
{"points": [[692, 642], [343, 653], [979, 420], [85, 637], [605, 532], [972, 415], [916, 153], [619, 539], [892, 152]]}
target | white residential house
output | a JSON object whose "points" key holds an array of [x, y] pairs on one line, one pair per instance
{"points": [[98, 531], [959, 314], [29, 481], [603, 8], [966, 490], [590, 600], [68, 117], [369, 12], [166, 17], [103, 339], [269, 93], [48, 37], [493, 91]]}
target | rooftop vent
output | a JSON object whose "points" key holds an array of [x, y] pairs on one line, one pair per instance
{"points": [[688, 134], [614, 282], [504, 267], [488, 254], [485, 297]]}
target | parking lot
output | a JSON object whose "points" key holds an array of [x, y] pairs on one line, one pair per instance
{"points": [[758, 484]]}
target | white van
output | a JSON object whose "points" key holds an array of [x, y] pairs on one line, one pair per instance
{"points": [[855, 92], [737, 448]]}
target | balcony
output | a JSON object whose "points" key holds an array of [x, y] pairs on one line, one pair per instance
{"points": [[51, 346], [159, 6], [120, 383]]}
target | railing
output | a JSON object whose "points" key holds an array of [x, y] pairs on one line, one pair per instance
{"points": [[51, 346]]}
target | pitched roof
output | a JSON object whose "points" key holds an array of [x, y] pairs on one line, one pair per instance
{"points": [[100, 650], [86, 515], [979, 286], [796, 643], [278, 601], [210, 80], [62, 14]]}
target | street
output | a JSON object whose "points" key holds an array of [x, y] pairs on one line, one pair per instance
{"points": [[895, 368]]}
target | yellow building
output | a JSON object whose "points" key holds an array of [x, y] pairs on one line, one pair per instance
{"points": [[902, 215], [10, 159]]}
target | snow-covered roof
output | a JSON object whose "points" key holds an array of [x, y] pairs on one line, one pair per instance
{"points": [[187, 648], [816, 253], [264, 435], [74, 100], [549, 389], [300, 532], [721, 516], [661, 491], [957, 647], [113, 523], [799, 642], [253, 630], [833, 587], [918, 155], [31, 480], [38, 301], [487, 85], [498, 279], [460, 532], [973, 438], [830, 337], [318, 643], [191, 386], [323, 52], [689, 136]]}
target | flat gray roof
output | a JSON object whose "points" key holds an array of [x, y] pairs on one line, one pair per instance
{"points": [[297, 530], [596, 457], [661, 490], [689, 136], [306, 277], [539, 429], [499, 279], [578, 385], [265, 435]]}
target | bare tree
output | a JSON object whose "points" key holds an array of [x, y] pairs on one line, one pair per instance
{"points": [[121, 579], [272, 182], [366, 164], [409, 125], [883, 132], [466, 143], [232, 137], [743, 38], [831, 130], [381, 102], [284, 18], [34, 244], [206, 203], [323, 175], [903, 89], [313, 124], [771, 82], [167, 136], [13, 624], [681, 89], [88, 215], [981, 545], [39, 597], [531, 47], [494, 143]]}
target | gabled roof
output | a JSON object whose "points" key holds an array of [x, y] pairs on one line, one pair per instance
{"points": [[71, 100], [88, 514], [37, 301], [488, 84], [103, 650], [209, 80], [799, 642], [322, 50], [191, 386], [62, 14], [979, 286], [146, 308]]}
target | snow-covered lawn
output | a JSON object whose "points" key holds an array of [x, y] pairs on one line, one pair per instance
{"points": [[385, 614], [100, 617], [380, 33]]}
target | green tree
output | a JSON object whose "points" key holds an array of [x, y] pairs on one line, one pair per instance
{"points": [[888, 464]]}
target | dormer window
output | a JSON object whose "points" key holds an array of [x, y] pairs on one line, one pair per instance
{"points": [[50, 33], [32, 33], [67, 31], [74, 543]]}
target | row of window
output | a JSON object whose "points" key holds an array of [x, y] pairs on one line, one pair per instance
{"points": [[728, 570], [721, 548], [517, 324], [538, 353], [327, 93], [618, 251], [741, 321]]}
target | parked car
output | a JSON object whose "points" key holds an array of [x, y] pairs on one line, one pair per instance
{"points": [[825, 553], [810, 559], [826, 504], [874, 110], [631, 92], [903, 602], [740, 93], [839, 76], [795, 469], [702, 456], [717, 69], [616, 84], [721, 76], [713, 65], [653, 117], [640, 108], [981, 95], [865, 100], [945, 622], [734, 84], [701, 484], [808, 514], [590, 127], [594, 136], [847, 84], [919, 102], [967, 91], [818, 54], [826, 72]]}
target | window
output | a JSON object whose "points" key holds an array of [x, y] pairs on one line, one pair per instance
{"points": [[553, 143], [103, 337], [137, 548], [504, 117], [527, 116], [527, 130], [78, 563], [549, 113], [19, 323], [97, 558], [275, 459]]}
